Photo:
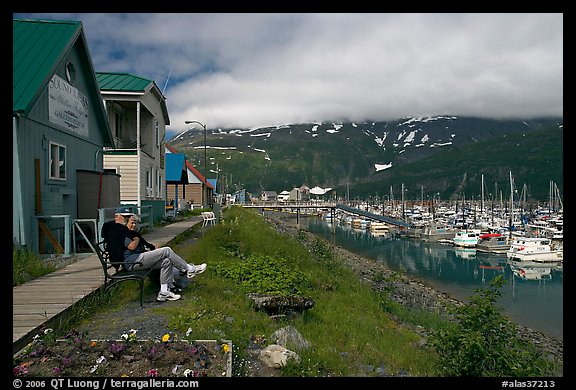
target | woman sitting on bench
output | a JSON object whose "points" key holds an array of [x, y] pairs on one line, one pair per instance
{"points": [[180, 281]]}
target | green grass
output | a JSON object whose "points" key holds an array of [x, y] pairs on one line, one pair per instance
{"points": [[26, 265], [347, 327]]}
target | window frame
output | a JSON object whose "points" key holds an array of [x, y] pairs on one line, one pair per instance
{"points": [[57, 172]]}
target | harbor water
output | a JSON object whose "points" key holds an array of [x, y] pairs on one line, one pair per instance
{"points": [[534, 300]]}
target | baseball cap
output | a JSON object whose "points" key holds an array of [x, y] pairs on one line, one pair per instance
{"points": [[124, 211]]}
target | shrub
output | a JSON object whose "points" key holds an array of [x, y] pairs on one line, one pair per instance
{"points": [[483, 343]]}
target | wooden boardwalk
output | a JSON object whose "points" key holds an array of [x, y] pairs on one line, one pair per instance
{"points": [[42, 301]]}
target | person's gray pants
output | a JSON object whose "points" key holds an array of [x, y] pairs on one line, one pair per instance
{"points": [[164, 259]]}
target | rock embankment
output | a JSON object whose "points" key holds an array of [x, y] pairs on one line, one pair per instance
{"points": [[409, 291]]}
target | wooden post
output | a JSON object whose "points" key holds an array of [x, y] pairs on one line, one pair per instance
{"points": [[38, 206], [38, 209], [46, 231]]}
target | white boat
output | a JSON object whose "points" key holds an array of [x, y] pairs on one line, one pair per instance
{"points": [[554, 233], [360, 223], [435, 232], [536, 250], [466, 238], [493, 243]]}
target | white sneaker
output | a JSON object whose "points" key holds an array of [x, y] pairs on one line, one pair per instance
{"points": [[167, 296], [198, 269]]}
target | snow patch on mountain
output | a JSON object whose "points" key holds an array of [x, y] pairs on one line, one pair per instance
{"points": [[381, 167]]}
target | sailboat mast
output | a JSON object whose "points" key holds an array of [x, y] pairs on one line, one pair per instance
{"points": [[403, 211], [482, 196], [422, 196], [511, 205]]}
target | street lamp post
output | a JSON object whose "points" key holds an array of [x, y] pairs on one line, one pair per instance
{"points": [[205, 190]]}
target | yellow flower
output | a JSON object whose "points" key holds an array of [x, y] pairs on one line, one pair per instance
{"points": [[226, 348], [166, 337]]}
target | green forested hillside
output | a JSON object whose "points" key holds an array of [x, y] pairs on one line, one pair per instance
{"points": [[533, 158]]}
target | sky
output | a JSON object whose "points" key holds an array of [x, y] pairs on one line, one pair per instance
{"points": [[250, 70]]}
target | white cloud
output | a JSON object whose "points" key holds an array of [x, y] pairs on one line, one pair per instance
{"points": [[254, 70]]}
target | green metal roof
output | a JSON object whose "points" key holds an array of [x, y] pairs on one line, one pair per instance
{"points": [[125, 82], [38, 47], [122, 82]]}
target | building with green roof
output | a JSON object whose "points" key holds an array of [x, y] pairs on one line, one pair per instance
{"points": [[60, 128], [137, 114]]}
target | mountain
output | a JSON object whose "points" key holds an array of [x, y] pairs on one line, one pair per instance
{"points": [[443, 154]]}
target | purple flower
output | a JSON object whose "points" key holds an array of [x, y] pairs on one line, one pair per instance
{"points": [[38, 352], [116, 348], [20, 370]]}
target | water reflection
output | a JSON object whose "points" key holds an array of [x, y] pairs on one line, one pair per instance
{"points": [[530, 297]]}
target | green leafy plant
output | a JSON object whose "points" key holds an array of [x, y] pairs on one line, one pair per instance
{"points": [[264, 274], [484, 343]]}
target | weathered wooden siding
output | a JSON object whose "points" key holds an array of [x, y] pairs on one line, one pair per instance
{"points": [[126, 166], [192, 193]]}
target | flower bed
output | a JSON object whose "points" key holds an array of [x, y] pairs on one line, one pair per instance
{"points": [[75, 356]]}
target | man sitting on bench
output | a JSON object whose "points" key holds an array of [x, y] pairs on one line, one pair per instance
{"points": [[124, 246]]}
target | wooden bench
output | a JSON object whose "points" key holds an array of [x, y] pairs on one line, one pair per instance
{"points": [[113, 276]]}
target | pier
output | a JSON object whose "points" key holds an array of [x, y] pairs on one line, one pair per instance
{"points": [[332, 206]]}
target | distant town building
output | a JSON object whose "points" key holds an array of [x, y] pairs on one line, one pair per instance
{"points": [[284, 196], [269, 196]]}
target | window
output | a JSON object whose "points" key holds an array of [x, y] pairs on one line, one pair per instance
{"points": [[118, 125], [153, 179], [157, 134], [70, 73], [57, 159], [148, 183]]}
